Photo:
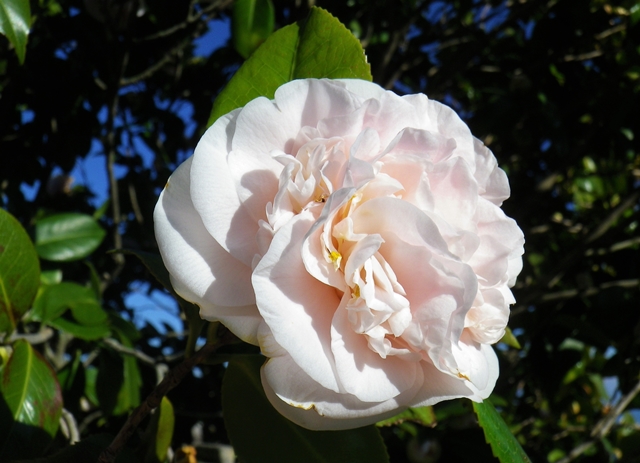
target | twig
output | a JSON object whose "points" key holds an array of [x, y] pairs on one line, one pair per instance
{"points": [[191, 18], [155, 67], [600, 230], [32, 338], [69, 426], [603, 426], [110, 151], [584, 56], [569, 293], [170, 381], [613, 248], [115, 345]]}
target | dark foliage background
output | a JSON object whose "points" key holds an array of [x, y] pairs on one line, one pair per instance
{"points": [[552, 87]]}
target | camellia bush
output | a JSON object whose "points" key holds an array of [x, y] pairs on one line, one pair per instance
{"points": [[327, 217]]}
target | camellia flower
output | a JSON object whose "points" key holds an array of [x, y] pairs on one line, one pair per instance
{"points": [[356, 236]]}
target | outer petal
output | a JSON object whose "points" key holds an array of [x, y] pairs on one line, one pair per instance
{"points": [[306, 403], [214, 195], [297, 307], [201, 270]]}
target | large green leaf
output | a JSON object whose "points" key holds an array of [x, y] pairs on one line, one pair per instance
{"points": [[504, 445], [31, 404], [19, 272], [318, 47], [67, 237], [259, 433], [252, 22], [15, 18]]}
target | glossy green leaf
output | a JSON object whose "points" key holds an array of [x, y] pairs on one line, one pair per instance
{"points": [[67, 237], [157, 437], [31, 404], [15, 18], [421, 415], [252, 22], [504, 445], [51, 277], [53, 301], [256, 429], [19, 272], [318, 47]]}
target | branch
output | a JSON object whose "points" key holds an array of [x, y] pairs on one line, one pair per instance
{"points": [[170, 381], [69, 427], [603, 426], [191, 18], [115, 345], [151, 70], [569, 293], [32, 338]]}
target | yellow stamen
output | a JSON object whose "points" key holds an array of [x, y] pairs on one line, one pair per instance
{"points": [[336, 258]]}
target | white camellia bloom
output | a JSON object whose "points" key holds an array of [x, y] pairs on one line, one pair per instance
{"points": [[356, 236]]}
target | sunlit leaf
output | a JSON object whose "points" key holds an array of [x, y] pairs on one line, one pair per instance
{"points": [[318, 47], [30, 405], [157, 437], [15, 18], [256, 429], [504, 445], [67, 237], [510, 339], [19, 272], [421, 415], [252, 22]]}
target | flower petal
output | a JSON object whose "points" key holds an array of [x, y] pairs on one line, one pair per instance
{"points": [[201, 270], [297, 307]]}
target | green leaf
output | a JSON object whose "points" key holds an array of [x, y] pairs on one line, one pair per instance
{"points": [[157, 437], [109, 381], [319, 47], [421, 415], [504, 445], [52, 301], [19, 272], [31, 404], [256, 429], [51, 277], [72, 382], [67, 237], [129, 393], [15, 18], [88, 333], [118, 381], [252, 22], [510, 339]]}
